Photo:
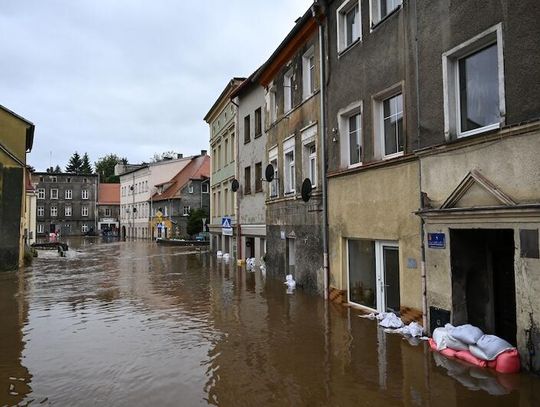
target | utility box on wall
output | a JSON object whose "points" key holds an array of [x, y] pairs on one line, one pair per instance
{"points": [[438, 317]]}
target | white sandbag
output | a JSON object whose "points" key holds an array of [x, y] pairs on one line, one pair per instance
{"points": [[439, 335], [455, 344], [489, 347], [289, 281], [414, 329], [371, 316], [468, 334], [391, 321]]}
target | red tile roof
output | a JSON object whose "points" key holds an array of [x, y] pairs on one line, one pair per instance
{"points": [[197, 169], [109, 194]]}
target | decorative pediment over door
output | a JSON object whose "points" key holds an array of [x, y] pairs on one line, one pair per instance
{"points": [[475, 191]]}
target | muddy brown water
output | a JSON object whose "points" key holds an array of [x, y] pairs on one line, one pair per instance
{"points": [[135, 324]]}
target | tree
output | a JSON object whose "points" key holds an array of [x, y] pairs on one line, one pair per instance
{"points": [[57, 169], [105, 168], [74, 164], [167, 155], [50, 169], [194, 223], [86, 167]]}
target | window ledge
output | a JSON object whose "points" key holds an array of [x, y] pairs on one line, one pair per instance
{"points": [[394, 155], [494, 126], [345, 50], [374, 26]]}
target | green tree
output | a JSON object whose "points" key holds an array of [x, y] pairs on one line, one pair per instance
{"points": [[86, 167], [57, 169], [74, 164], [167, 155], [194, 223], [105, 168]]}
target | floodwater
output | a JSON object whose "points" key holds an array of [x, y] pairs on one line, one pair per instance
{"points": [[135, 324]]}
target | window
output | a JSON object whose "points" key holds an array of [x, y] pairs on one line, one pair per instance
{"points": [[474, 79], [258, 122], [54, 178], [219, 157], [84, 194], [309, 154], [308, 73], [187, 209], [54, 193], [68, 194], [389, 125], [68, 179], [354, 139], [247, 180], [289, 166], [85, 180], [54, 210], [349, 24], [41, 178], [273, 159], [382, 8], [84, 210], [40, 211], [258, 177], [40, 228], [41, 193], [226, 151], [247, 130], [67, 210], [84, 228], [272, 102], [107, 212], [226, 201], [190, 188], [214, 160], [232, 147], [287, 91], [204, 187]]}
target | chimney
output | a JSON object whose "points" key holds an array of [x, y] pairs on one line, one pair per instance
{"points": [[203, 152], [179, 155]]}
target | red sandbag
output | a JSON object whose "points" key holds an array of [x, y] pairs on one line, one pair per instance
{"points": [[468, 357], [432, 344], [492, 363], [508, 362], [449, 353]]}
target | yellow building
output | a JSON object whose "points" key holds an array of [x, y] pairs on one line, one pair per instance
{"points": [[16, 139]]}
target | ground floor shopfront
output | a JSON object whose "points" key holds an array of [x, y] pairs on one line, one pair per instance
{"points": [[374, 236], [253, 242], [223, 240], [482, 239]]}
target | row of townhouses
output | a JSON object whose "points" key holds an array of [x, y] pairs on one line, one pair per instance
{"points": [[157, 198], [17, 195], [387, 155]]}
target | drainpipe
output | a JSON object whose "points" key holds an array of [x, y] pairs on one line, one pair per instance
{"points": [[422, 222], [317, 13]]}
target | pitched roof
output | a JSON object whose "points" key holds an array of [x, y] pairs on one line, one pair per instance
{"points": [[197, 169], [109, 194]]}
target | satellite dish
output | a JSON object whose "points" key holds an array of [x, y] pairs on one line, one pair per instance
{"points": [[269, 173], [235, 185], [306, 190]]}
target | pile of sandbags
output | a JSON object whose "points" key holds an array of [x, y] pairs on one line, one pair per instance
{"points": [[468, 343]]}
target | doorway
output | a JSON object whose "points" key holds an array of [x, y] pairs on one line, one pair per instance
{"points": [[483, 280], [373, 274], [291, 255], [250, 247]]}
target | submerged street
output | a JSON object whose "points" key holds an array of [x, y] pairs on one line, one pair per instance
{"points": [[133, 323]]}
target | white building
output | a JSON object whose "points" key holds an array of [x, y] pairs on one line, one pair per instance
{"points": [[137, 185]]}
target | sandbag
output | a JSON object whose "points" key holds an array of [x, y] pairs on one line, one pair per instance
{"points": [[467, 333], [455, 344], [508, 362], [449, 353], [391, 321], [466, 356], [492, 346], [439, 335]]}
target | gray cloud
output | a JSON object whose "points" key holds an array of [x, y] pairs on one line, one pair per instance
{"points": [[131, 77]]}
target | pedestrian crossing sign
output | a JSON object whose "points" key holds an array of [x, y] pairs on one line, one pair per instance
{"points": [[226, 223]]}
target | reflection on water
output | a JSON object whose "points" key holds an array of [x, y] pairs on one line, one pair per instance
{"points": [[132, 323]]}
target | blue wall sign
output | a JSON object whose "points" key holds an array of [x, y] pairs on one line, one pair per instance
{"points": [[436, 240], [226, 223]]}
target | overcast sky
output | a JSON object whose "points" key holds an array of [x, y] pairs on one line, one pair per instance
{"points": [[130, 77]]}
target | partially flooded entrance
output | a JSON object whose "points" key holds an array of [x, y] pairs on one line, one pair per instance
{"points": [[133, 323]]}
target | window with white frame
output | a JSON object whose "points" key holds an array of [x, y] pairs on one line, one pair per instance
{"points": [[68, 194], [54, 210], [40, 228], [348, 24], [190, 188], [272, 104], [84, 210], [382, 8], [41, 193], [40, 211], [54, 178], [287, 91], [354, 134], [474, 77], [309, 154], [67, 210], [204, 187], [273, 160], [84, 194], [187, 209], [107, 212], [388, 110], [289, 165], [54, 193], [308, 73], [84, 228]]}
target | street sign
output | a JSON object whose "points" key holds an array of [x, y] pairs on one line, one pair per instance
{"points": [[436, 240], [226, 223]]}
